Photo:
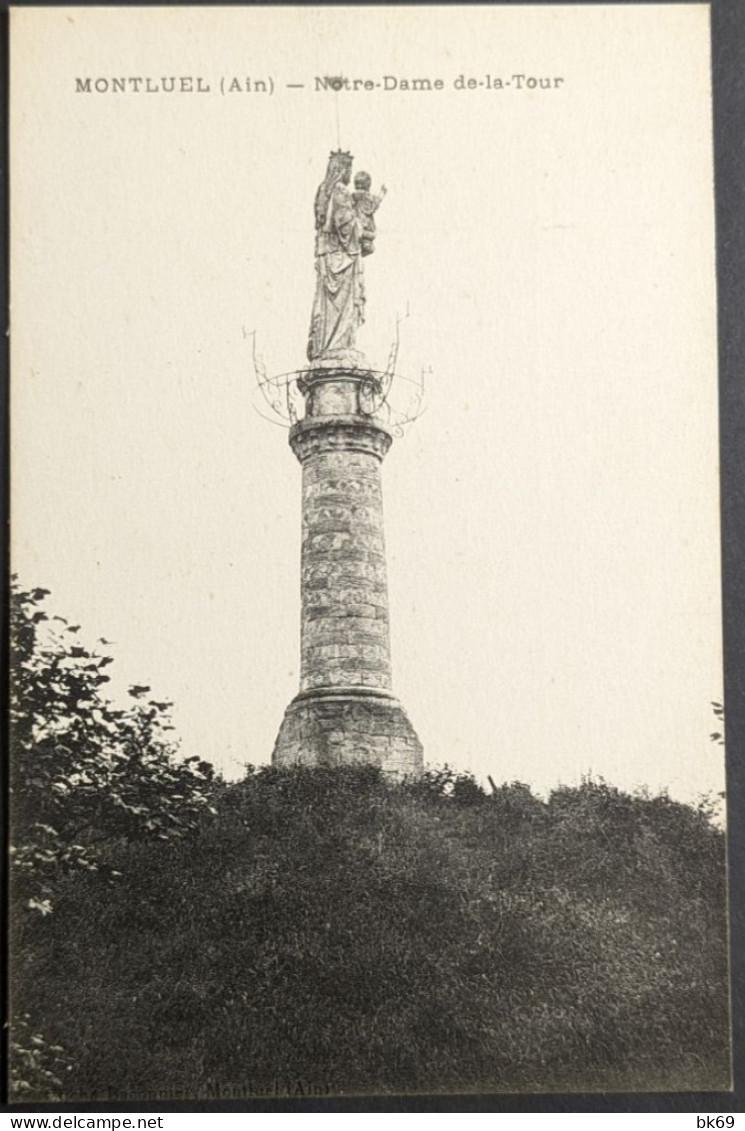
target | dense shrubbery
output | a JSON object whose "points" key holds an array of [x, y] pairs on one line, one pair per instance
{"points": [[334, 930], [330, 930], [86, 777], [85, 773]]}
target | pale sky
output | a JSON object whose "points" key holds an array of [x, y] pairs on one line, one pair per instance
{"points": [[552, 518]]}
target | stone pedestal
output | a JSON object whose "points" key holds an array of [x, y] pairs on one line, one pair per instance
{"points": [[345, 711]]}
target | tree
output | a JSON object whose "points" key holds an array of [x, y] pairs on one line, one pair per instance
{"points": [[85, 772]]}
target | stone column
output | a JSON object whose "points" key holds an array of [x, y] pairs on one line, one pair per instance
{"points": [[345, 711]]}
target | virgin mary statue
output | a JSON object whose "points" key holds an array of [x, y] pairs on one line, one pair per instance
{"points": [[339, 303]]}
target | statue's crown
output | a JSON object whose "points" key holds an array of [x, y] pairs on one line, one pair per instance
{"points": [[343, 156]]}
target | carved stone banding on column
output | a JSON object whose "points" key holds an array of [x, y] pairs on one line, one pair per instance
{"points": [[345, 711], [339, 434]]}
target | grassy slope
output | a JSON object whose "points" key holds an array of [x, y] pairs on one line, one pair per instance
{"points": [[330, 929]]}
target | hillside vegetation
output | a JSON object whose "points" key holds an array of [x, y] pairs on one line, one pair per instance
{"points": [[326, 931]]}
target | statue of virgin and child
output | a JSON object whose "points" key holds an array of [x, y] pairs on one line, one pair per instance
{"points": [[345, 234]]}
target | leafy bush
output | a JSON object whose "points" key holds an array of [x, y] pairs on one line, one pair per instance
{"points": [[83, 771], [443, 781], [37, 1069], [334, 931], [85, 775]]}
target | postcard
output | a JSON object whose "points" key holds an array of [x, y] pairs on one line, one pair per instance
{"points": [[367, 634]]}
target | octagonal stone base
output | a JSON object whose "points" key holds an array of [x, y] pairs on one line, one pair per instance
{"points": [[338, 727]]}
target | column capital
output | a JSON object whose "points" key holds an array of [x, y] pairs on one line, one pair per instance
{"points": [[339, 433]]}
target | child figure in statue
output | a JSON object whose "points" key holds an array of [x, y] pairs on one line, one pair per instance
{"points": [[366, 205]]}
